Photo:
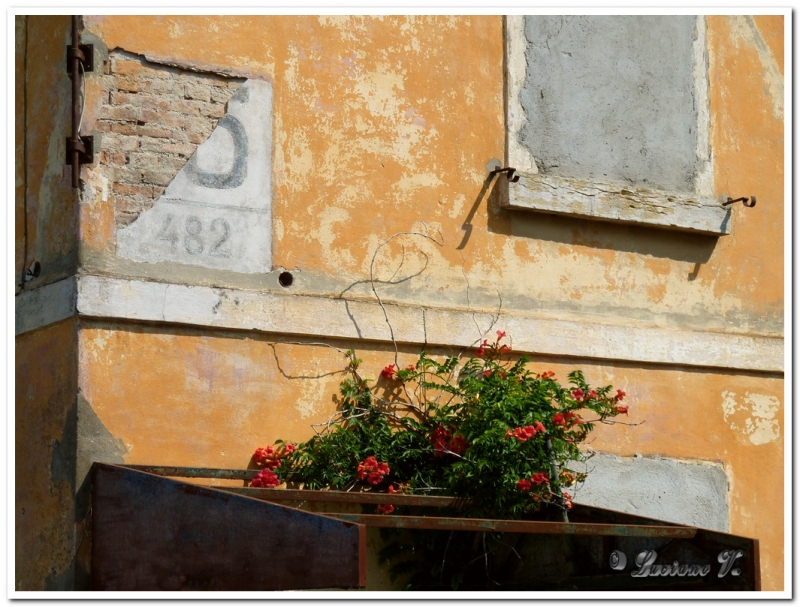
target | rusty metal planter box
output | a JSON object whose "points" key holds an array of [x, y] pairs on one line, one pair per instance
{"points": [[156, 533]]}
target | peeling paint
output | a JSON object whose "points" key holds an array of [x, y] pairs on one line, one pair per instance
{"points": [[753, 416], [746, 32], [384, 125]]}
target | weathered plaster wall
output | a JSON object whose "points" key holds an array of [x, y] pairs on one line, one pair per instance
{"points": [[52, 219], [382, 125], [386, 124], [45, 527], [230, 392], [748, 140], [20, 42]]}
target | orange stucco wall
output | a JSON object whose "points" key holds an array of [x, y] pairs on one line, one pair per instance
{"points": [[44, 433], [20, 42], [230, 392], [383, 125], [43, 118]]}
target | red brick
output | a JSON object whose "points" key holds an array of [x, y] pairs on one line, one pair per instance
{"points": [[119, 158], [199, 124], [153, 131], [126, 175], [124, 143], [134, 191], [123, 128], [153, 102], [131, 83], [221, 95], [144, 161], [173, 119], [165, 87], [197, 91], [213, 110], [147, 115], [179, 136], [158, 177], [124, 98], [186, 106], [124, 113], [125, 66], [170, 163], [184, 149]]}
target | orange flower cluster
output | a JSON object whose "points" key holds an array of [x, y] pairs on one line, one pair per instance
{"points": [[523, 434], [266, 478], [270, 457], [540, 478], [569, 418], [445, 443], [372, 470], [387, 508]]}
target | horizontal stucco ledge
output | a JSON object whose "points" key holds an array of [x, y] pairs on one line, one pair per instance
{"points": [[323, 317]]}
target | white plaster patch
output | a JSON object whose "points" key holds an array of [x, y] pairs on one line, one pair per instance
{"points": [[745, 29], [325, 234], [458, 205], [104, 187], [516, 154], [752, 416], [311, 397], [217, 212]]}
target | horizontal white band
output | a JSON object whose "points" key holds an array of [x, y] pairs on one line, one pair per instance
{"points": [[328, 317]]}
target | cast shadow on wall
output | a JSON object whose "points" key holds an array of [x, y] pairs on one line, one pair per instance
{"points": [[637, 239]]}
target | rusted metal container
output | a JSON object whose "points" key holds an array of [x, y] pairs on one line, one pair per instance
{"points": [[154, 533]]}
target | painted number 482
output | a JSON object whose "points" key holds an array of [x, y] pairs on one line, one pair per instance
{"points": [[195, 241]]}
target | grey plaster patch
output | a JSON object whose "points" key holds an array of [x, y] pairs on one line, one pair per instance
{"points": [[95, 443], [612, 98], [62, 463], [217, 212], [681, 492], [44, 305]]}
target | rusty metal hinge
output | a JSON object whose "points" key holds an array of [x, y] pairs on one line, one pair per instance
{"points": [[84, 147], [84, 53]]}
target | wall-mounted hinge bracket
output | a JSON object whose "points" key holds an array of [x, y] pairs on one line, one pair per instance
{"points": [[85, 54], [85, 149]]}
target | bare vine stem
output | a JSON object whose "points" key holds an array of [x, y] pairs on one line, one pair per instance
{"points": [[378, 297], [372, 278]]}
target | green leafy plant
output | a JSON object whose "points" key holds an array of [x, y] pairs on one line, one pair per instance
{"points": [[489, 430]]}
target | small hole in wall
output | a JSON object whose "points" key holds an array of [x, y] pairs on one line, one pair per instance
{"points": [[286, 279]]}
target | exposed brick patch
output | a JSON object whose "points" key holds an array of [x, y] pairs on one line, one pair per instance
{"points": [[152, 122]]}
